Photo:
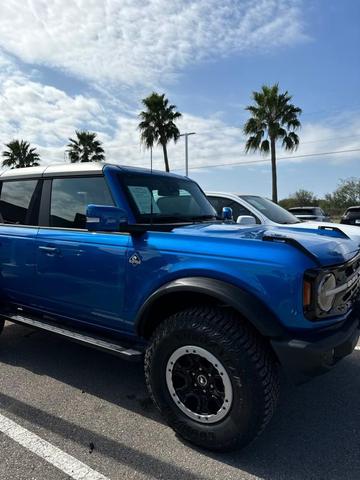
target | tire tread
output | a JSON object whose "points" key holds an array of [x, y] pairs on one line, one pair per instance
{"points": [[224, 327]]}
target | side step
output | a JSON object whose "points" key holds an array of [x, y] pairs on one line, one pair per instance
{"points": [[100, 343]]}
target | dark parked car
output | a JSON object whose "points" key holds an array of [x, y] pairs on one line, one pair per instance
{"points": [[351, 216], [315, 214]]}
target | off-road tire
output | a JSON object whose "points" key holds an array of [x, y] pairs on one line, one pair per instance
{"points": [[247, 359], [2, 323]]}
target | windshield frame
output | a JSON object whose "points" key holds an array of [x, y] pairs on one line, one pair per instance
{"points": [[288, 217], [208, 214]]}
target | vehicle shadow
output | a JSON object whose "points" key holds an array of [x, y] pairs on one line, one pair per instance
{"points": [[314, 434], [87, 369]]}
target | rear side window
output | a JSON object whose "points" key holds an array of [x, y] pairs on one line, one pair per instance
{"points": [[17, 202], [71, 196]]}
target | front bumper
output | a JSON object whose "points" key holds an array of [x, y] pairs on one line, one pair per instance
{"points": [[305, 358]]}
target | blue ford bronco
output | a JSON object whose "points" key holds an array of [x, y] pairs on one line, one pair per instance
{"points": [[136, 263]]}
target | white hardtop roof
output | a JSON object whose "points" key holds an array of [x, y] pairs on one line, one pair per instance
{"points": [[53, 170], [71, 169], [225, 194]]}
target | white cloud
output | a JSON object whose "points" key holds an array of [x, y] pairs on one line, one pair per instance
{"points": [[47, 116], [41, 114], [142, 42]]}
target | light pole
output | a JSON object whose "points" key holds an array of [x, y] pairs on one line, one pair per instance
{"points": [[186, 135]]}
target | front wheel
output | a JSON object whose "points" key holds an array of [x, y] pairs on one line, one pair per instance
{"points": [[213, 377]]}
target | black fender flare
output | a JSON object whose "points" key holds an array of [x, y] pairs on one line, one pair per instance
{"points": [[247, 304]]}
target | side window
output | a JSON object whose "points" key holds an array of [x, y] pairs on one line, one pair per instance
{"points": [[17, 202], [71, 196], [217, 203], [220, 202], [239, 210]]}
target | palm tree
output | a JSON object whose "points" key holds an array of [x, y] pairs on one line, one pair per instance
{"points": [[158, 123], [19, 155], [273, 118], [86, 148]]}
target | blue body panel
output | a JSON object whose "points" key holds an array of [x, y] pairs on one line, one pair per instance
{"points": [[88, 277], [85, 277], [273, 272], [18, 264]]}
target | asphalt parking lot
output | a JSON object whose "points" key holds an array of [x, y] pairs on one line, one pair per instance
{"points": [[93, 409]]}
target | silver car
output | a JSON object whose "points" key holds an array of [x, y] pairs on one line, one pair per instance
{"points": [[256, 209], [264, 211], [315, 214]]}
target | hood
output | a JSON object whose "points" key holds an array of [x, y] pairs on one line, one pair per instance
{"points": [[327, 247]]}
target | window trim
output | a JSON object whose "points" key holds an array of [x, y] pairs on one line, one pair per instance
{"points": [[32, 208]]}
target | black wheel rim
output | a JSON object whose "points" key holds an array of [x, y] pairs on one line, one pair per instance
{"points": [[199, 384]]}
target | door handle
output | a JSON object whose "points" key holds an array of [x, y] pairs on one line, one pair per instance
{"points": [[50, 250]]}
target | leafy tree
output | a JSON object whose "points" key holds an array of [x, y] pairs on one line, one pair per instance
{"points": [[85, 148], [273, 118], [346, 195], [300, 198], [158, 123], [19, 155]]}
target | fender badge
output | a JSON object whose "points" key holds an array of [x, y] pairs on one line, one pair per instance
{"points": [[135, 259]]}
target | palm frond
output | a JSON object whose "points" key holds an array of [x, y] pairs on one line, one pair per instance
{"points": [[85, 148], [157, 122], [20, 155]]}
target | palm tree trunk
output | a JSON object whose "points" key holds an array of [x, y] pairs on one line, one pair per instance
{"points": [[273, 169], [166, 160]]}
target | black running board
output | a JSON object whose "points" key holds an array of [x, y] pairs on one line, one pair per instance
{"points": [[100, 343]]}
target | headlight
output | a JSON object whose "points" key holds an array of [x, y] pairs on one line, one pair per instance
{"points": [[325, 297]]}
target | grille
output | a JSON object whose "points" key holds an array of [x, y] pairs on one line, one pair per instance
{"points": [[347, 286]]}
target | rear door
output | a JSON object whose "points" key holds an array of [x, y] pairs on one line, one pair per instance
{"points": [[81, 274], [19, 209]]}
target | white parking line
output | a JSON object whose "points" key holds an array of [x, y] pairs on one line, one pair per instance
{"points": [[51, 454]]}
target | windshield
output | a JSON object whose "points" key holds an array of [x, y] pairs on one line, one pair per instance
{"points": [[161, 199], [270, 210]]}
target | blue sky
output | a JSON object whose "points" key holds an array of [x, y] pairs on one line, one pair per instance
{"points": [[66, 65]]}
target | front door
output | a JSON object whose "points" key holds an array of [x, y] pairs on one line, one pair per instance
{"points": [[81, 274]]}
